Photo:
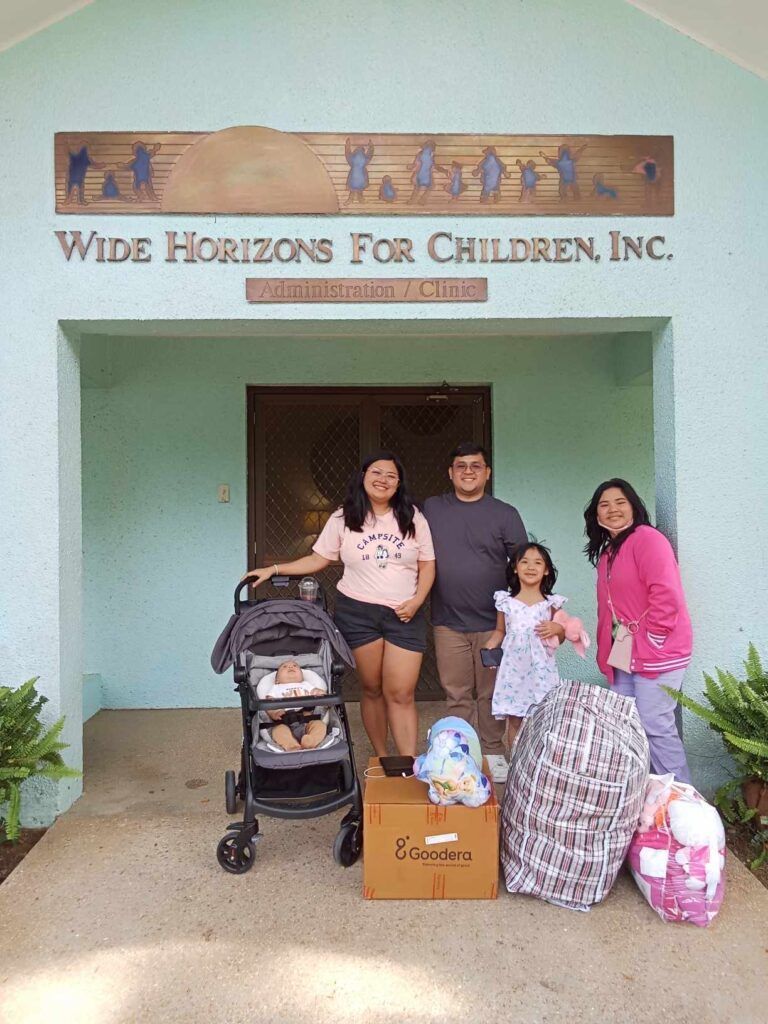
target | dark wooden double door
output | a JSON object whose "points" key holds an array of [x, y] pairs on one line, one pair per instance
{"points": [[304, 444]]}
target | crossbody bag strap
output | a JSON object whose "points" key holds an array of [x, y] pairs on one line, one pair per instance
{"points": [[633, 625]]}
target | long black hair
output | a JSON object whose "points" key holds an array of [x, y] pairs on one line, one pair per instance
{"points": [[357, 504], [598, 538], [550, 575]]}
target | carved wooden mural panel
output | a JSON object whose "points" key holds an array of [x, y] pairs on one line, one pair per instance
{"points": [[254, 170]]}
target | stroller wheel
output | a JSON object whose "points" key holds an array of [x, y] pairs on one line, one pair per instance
{"points": [[348, 844], [235, 857], [230, 792]]}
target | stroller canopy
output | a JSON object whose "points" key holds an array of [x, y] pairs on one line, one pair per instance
{"points": [[271, 620]]}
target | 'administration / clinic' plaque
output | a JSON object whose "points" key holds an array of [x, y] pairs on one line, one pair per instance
{"points": [[366, 289]]}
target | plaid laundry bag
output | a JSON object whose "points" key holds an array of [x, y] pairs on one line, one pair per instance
{"points": [[574, 793]]}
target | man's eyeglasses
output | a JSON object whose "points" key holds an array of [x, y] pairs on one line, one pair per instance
{"points": [[469, 467]]}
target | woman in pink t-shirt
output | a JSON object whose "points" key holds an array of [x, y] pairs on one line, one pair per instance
{"points": [[389, 568]]}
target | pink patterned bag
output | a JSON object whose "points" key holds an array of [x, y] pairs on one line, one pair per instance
{"points": [[677, 855]]}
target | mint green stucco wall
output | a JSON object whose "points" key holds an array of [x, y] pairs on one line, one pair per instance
{"points": [[536, 65], [162, 555]]}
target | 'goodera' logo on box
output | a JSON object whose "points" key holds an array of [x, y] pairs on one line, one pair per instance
{"points": [[405, 852]]}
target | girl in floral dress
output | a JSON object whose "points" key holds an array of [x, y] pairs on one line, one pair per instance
{"points": [[525, 614]]}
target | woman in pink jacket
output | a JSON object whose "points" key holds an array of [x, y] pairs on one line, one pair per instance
{"points": [[639, 593]]}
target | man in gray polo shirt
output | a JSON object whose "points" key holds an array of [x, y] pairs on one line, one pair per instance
{"points": [[474, 536]]}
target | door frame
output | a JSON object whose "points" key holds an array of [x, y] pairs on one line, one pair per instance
{"points": [[255, 468]]}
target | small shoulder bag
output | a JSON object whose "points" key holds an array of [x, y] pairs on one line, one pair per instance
{"points": [[620, 656]]}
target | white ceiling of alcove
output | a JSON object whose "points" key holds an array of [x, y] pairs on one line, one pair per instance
{"points": [[736, 29], [22, 18]]}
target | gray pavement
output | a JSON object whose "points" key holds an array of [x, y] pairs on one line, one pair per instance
{"points": [[121, 915]]}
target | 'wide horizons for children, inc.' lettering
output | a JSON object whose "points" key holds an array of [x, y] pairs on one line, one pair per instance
{"points": [[441, 247]]}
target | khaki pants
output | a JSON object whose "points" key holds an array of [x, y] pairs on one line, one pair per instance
{"points": [[468, 684]]}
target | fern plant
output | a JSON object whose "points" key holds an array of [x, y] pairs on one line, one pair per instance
{"points": [[27, 749], [738, 711], [733, 807]]}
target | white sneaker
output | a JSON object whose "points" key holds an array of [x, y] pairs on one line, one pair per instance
{"points": [[498, 767]]}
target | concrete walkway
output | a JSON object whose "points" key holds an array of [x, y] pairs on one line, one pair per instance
{"points": [[121, 915]]}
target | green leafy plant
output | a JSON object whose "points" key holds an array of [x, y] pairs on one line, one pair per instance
{"points": [[27, 749], [733, 807], [738, 711]]}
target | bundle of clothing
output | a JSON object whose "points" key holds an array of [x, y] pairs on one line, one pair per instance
{"points": [[677, 856], [575, 790], [452, 764]]}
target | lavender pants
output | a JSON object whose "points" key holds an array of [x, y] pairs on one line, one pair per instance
{"points": [[657, 713]]}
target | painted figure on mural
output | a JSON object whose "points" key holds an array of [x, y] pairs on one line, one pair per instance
{"points": [[490, 170], [141, 166], [358, 160], [110, 190], [601, 190], [422, 170], [455, 185], [387, 191], [79, 161], [529, 179], [565, 165], [650, 172]]}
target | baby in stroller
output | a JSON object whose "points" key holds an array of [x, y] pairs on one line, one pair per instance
{"points": [[295, 728]]}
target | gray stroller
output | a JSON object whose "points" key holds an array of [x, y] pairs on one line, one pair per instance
{"points": [[287, 784]]}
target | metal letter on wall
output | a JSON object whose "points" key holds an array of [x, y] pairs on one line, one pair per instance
{"points": [[253, 170]]}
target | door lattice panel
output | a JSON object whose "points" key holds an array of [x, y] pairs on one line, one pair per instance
{"points": [[423, 435], [307, 443], [310, 452]]}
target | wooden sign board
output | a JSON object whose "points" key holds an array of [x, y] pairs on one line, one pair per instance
{"points": [[254, 170], [366, 289]]}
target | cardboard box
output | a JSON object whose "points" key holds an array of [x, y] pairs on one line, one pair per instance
{"points": [[416, 850]]}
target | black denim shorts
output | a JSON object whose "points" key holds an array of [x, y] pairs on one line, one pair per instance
{"points": [[361, 623]]}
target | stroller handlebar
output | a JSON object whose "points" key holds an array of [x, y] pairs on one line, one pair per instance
{"points": [[281, 580]]}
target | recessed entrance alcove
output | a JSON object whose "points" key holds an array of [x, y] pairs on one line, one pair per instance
{"points": [[278, 412]]}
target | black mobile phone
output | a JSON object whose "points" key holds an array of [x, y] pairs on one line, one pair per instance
{"points": [[394, 767], [491, 656]]}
